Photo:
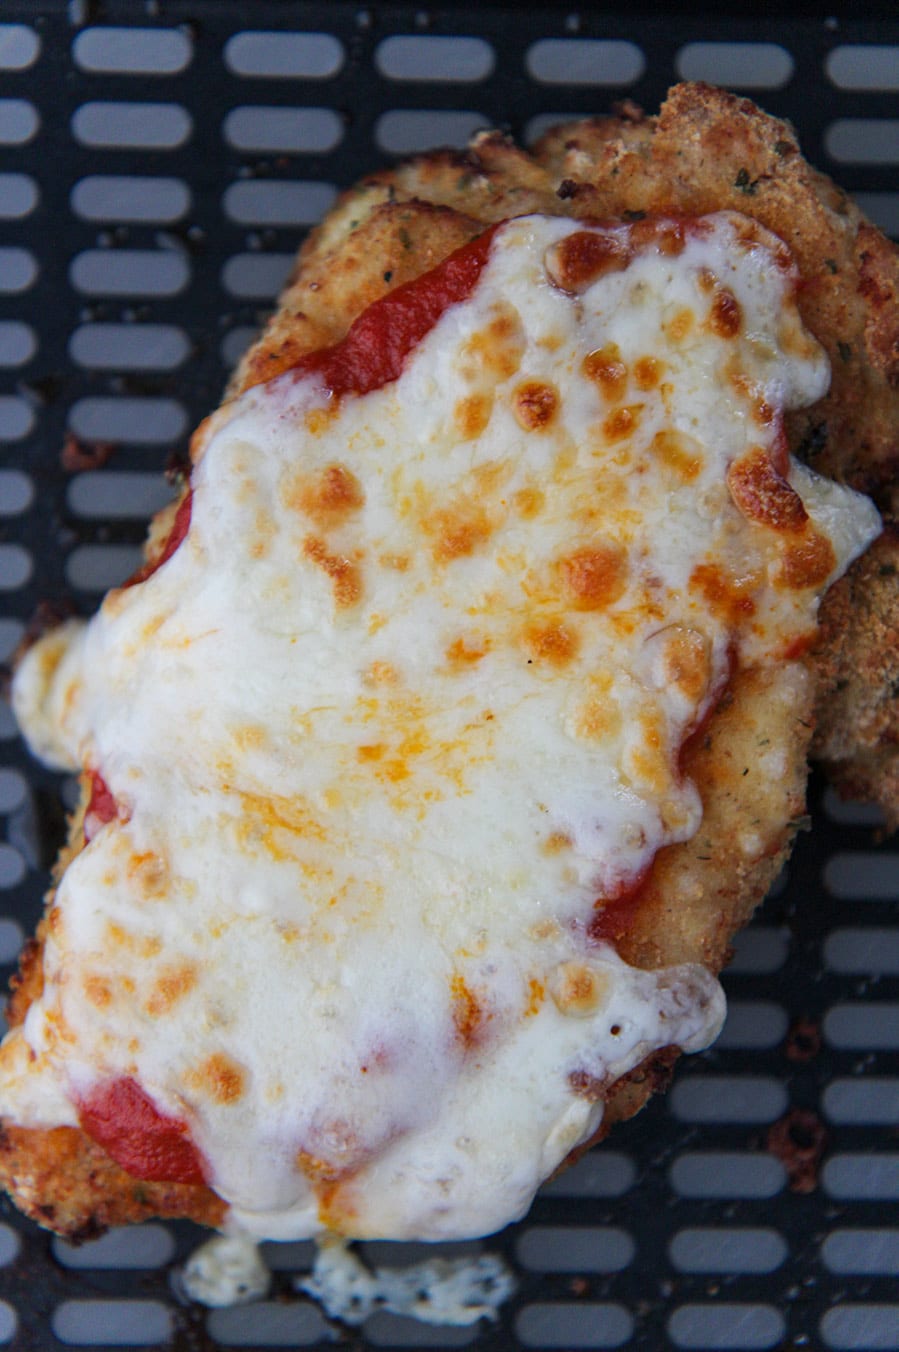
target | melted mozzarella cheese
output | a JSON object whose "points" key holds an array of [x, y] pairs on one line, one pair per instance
{"points": [[402, 710]]}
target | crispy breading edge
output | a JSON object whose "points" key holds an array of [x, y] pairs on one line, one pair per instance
{"points": [[399, 223]]}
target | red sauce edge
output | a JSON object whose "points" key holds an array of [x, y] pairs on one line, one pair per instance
{"points": [[149, 1145], [614, 915], [180, 527], [377, 343], [374, 350], [101, 804]]}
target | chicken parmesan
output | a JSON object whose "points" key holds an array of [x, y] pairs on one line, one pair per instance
{"points": [[476, 644]]}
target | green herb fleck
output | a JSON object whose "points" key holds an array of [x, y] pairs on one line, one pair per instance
{"points": [[743, 183], [635, 215], [388, 276], [831, 265], [405, 238], [845, 351], [783, 147]]}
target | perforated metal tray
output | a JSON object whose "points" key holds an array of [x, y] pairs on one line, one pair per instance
{"points": [[159, 165]]}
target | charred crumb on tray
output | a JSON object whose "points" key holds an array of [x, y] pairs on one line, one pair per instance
{"points": [[78, 455], [799, 1140]]}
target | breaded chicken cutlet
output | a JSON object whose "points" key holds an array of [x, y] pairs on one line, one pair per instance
{"points": [[656, 623]]}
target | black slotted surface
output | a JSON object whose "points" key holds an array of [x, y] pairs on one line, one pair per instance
{"points": [[798, 1175]]}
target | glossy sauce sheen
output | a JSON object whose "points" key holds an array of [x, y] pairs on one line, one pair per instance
{"points": [[385, 745]]}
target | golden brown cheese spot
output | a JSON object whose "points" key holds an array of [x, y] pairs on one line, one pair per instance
{"points": [[622, 422], [726, 317], [496, 350], [728, 598], [762, 494], [317, 420], [595, 577], [581, 258], [262, 817], [606, 369], [148, 872], [598, 718], [647, 761], [464, 652], [469, 1016], [686, 661], [147, 947], [529, 502], [647, 373], [373, 751], [472, 414], [380, 673], [457, 531], [557, 842], [807, 561], [170, 987], [551, 641], [577, 990], [328, 497], [220, 1077], [680, 325], [536, 996], [666, 237], [397, 563], [344, 572], [678, 453], [97, 991], [535, 404]]}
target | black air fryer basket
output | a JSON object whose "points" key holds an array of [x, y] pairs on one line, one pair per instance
{"points": [[160, 163]]}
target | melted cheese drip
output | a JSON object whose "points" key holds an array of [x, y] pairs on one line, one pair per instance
{"points": [[404, 704]]}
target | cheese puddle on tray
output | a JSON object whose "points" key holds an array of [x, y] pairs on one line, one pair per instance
{"points": [[404, 708]]}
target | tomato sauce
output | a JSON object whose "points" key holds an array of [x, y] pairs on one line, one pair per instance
{"points": [[180, 527], [614, 915], [149, 1145], [378, 342], [101, 806]]}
